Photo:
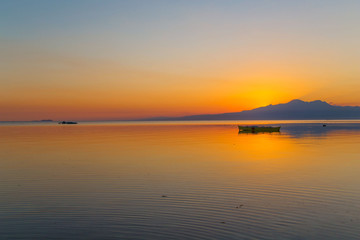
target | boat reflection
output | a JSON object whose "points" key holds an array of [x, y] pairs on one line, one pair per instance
{"points": [[302, 130]]}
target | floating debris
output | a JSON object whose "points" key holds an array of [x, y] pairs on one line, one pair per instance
{"points": [[239, 206], [163, 196]]}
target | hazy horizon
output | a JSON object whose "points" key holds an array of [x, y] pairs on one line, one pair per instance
{"points": [[174, 118]]}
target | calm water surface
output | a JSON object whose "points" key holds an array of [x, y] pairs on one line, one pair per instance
{"points": [[179, 181]]}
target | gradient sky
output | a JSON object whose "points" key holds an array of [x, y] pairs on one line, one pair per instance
{"points": [[92, 60]]}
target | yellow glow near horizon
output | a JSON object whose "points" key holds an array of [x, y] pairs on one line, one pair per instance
{"points": [[219, 58]]}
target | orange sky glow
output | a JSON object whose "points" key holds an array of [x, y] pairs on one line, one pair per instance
{"points": [[180, 59]]}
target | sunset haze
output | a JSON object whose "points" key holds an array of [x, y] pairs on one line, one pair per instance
{"points": [[103, 60]]}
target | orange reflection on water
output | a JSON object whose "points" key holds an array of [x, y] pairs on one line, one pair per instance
{"points": [[266, 145], [142, 148], [206, 170]]}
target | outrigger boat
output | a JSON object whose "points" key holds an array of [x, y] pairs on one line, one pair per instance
{"points": [[256, 129], [65, 122]]}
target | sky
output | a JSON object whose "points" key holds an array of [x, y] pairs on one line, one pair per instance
{"points": [[98, 60]]}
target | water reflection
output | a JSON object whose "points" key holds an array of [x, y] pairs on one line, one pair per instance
{"points": [[106, 181], [303, 130]]}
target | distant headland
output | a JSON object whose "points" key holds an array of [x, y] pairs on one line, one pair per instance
{"points": [[293, 110]]}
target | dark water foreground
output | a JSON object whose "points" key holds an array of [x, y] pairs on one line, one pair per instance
{"points": [[179, 181]]}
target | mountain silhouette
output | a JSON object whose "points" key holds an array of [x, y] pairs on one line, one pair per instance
{"points": [[293, 110]]}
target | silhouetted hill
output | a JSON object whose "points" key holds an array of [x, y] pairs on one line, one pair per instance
{"points": [[293, 110]]}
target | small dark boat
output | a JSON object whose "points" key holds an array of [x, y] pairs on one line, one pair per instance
{"points": [[256, 129], [64, 122]]}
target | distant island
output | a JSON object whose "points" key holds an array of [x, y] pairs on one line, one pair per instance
{"points": [[293, 110]]}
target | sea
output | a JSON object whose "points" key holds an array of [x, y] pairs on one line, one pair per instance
{"points": [[180, 180]]}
